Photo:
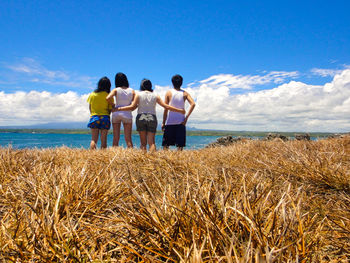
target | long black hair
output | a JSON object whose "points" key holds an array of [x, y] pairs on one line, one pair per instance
{"points": [[121, 80], [146, 84], [104, 84]]}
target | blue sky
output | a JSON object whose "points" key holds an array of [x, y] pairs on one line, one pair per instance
{"points": [[240, 50]]}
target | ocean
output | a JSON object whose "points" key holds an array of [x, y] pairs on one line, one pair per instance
{"points": [[41, 140]]}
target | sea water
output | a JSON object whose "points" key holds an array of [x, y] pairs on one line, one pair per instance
{"points": [[43, 140]]}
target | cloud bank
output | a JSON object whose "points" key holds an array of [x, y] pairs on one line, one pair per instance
{"points": [[290, 106], [24, 108]]}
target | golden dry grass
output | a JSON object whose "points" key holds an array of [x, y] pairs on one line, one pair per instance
{"points": [[254, 201]]}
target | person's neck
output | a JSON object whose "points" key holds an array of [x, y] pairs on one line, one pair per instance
{"points": [[177, 88]]}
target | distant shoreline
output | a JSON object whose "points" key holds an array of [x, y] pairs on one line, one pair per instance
{"points": [[189, 132]]}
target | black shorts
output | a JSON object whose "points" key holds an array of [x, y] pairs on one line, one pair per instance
{"points": [[174, 135], [146, 122]]}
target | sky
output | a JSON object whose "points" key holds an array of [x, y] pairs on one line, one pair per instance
{"points": [[249, 65]]}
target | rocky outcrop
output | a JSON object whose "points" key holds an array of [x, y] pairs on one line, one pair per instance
{"points": [[338, 135], [275, 136], [302, 137], [225, 141]]}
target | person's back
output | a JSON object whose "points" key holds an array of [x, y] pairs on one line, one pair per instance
{"points": [[174, 124], [100, 110], [177, 101], [124, 97], [147, 102], [99, 104]]}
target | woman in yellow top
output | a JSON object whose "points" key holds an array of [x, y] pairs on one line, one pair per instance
{"points": [[100, 111]]}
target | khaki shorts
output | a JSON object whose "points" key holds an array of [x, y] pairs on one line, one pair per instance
{"points": [[120, 118]]}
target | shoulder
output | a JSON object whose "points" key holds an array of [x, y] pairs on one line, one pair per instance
{"points": [[184, 92], [92, 94]]}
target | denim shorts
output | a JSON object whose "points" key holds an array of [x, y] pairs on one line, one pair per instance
{"points": [[146, 122], [101, 122]]}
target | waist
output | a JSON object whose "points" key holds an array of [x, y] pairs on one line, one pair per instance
{"points": [[145, 111], [123, 113], [175, 118]]}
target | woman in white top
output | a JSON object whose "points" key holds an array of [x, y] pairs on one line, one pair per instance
{"points": [[124, 96], [146, 120]]}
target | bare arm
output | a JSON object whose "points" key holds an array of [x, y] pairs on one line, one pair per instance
{"points": [[110, 96], [192, 105], [168, 107], [165, 114], [131, 107]]}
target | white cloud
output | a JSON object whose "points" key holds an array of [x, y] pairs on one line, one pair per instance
{"points": [[327, 72], [23, 108], [30, 70], [246, 82], [290, 106]]}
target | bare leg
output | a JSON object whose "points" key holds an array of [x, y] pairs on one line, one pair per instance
{"points": [[143, 140], [116, 133], [94, 138], [151, 141], [104, 134], [127, 134]]}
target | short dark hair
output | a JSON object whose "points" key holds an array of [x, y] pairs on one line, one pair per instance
{"points": [[177, 81], [121, 80], [146, 84], [104, 84]]}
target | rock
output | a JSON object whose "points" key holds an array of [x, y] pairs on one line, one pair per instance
{"points": [[224, 141], [338, 135], [302, 137], [334, 136], [274, 136]]}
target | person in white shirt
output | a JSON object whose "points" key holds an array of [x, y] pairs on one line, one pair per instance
{"points": [[174, 123], [146, 120], [124, 96]]}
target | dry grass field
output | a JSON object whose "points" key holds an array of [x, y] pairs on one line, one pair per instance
{"points": [[254, 201]]}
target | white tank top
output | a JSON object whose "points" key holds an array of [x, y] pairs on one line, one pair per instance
{"points": [[177, 101], [147, 102], [124, 98]]}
